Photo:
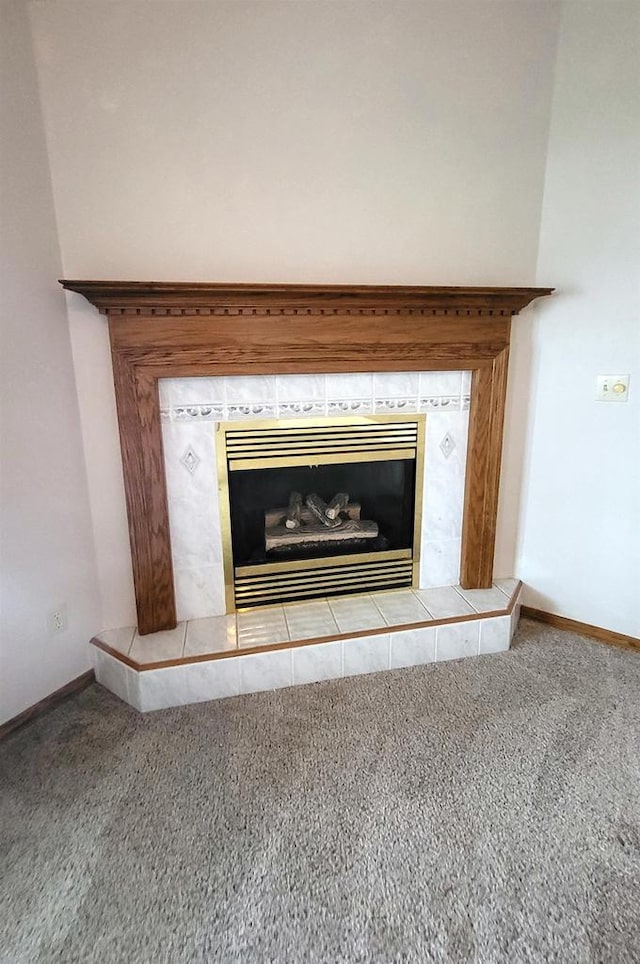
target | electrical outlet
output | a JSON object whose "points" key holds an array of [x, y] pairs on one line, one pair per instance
{"points": [[57, 620], [612, 388]]}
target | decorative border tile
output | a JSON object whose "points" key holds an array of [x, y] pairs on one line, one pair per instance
{"points": [[450, 403], [350, 406], [210, 413], [251, 411], [180, 401], [398, 405], [301, 409]]}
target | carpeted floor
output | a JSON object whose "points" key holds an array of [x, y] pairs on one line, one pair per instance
{"points": [[481, 811]]}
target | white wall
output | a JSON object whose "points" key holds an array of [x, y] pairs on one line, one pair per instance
{"points": [[47, 554], [579, 552], [326, 141]]}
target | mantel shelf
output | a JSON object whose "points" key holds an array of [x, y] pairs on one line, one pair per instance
{"points": [[183, 298]]}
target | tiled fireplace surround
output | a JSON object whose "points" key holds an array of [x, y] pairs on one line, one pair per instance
{"points": [[392, 629], [187, 355], [191, 407]]}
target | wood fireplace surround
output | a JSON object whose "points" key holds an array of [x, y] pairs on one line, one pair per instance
{"points": [[172, 330]]}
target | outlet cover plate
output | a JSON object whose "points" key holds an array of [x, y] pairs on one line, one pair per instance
{"points": [[612, 388], [57, 620]]}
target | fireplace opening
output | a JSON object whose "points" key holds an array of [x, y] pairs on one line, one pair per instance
{"points": [[320, 507]]}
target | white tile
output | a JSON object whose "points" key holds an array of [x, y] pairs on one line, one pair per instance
{"points": [[356, 614], [400, 606], [212, 680], [250, 389], [310, 619], [515, 619], [262, 627], [444, 602], [265, 671], [413, 647], [195, 536], [457, 640], [200, 592], [437, 464], [214, 635], [440, 383], [396, 384], [484, 600], [317, 662], [112, 674], [158, 646], [193, 683], [442, 508], [133, 687], [164, 392], [300, 388], [365, 654], [439, 563], [119, 639], [508, 586], [495, 634], [196, 391], [349, 386], [200, 438]]}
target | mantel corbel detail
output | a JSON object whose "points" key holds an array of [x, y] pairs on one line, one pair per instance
{"points": [[164, 330]]}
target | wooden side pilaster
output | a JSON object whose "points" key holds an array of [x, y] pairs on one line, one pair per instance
{"points": [[484, 455], [146, 494]]}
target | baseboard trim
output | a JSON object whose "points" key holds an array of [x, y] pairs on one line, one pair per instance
{"points": [[48, 703], [584, 629]]}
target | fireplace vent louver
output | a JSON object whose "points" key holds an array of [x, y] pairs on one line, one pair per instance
{"points": [[321, 443]]}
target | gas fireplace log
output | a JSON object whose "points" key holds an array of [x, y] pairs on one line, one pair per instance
{"points": [[277, 517], [279, 537], [293, 513], [336, 505], [319, 509]]}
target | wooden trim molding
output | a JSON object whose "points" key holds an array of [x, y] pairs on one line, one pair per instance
{"points": [[48, 703], [172, 330], [583, 629], [186, 298]]}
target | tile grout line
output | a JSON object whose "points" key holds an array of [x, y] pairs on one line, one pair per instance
{"points": [[464, 599], [384, 618], [420, 602], [133, 636], [184, 636]]}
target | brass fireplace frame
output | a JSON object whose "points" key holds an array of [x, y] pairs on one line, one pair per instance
{"points": [[319, 441]]}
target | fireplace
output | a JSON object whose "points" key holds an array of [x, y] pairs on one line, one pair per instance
{"points": [[317, 507], [172, 330]]}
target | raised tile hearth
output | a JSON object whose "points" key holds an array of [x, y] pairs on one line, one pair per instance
{"points": [[271, 647]]}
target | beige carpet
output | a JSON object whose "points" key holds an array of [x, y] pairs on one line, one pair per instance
{"points": [[480, 811]]}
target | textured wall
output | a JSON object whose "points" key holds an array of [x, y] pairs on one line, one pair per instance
{"points": [[579, 549], [45, 527]]}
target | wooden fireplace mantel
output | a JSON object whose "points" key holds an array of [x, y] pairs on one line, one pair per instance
{"points": [[169, 330]]}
